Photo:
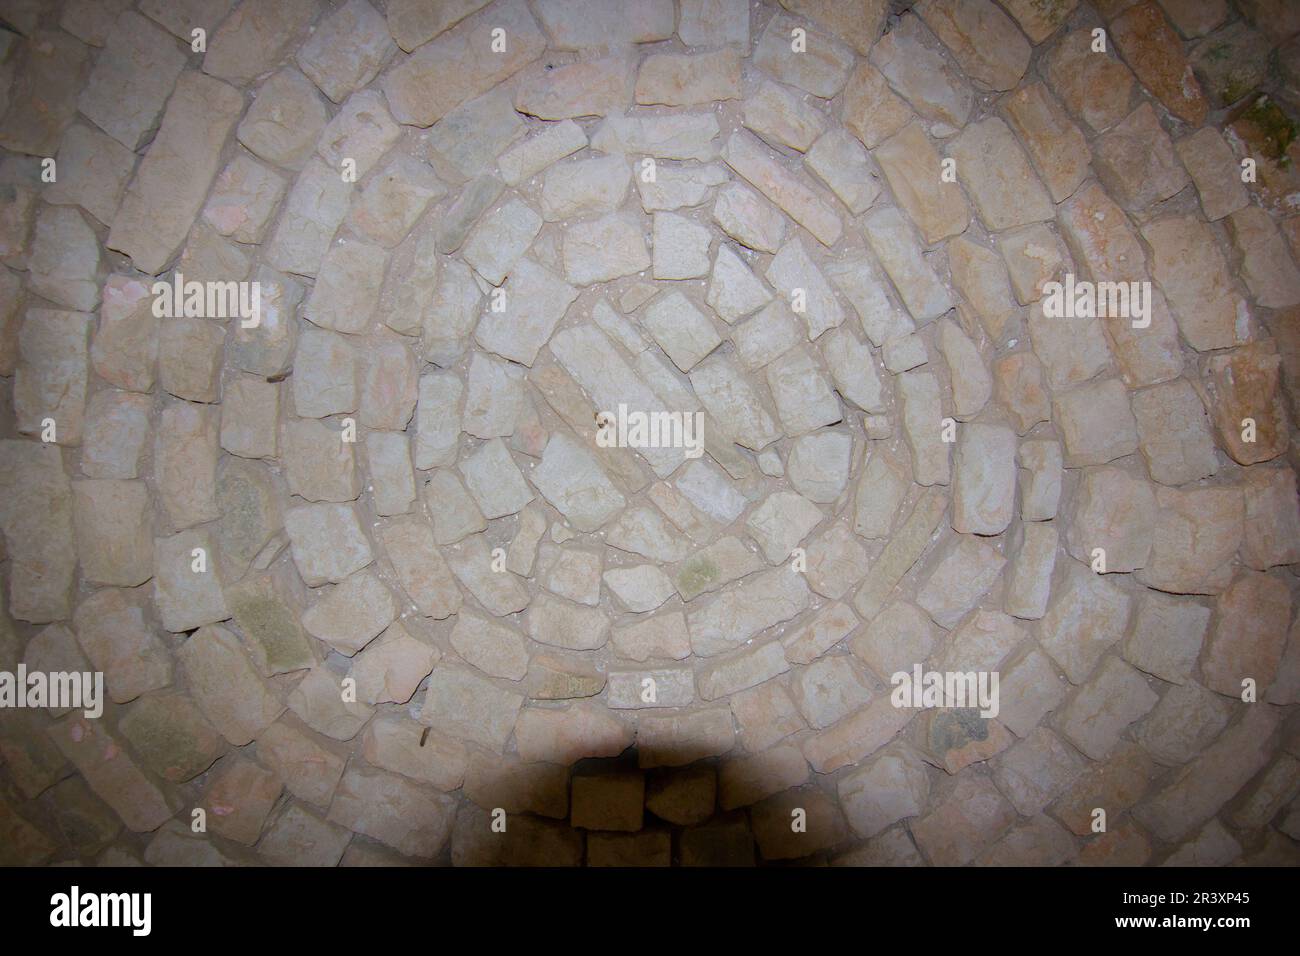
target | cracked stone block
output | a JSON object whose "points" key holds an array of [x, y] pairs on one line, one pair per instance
{"points": [[674, 187], [300, 837], [922, 425], [1197, 530], [1267, 268], [898, 637], [751, 161], [537, 299], [828, 689], [797, 277], [420, 568], [268, 348], [238, 798], [394, 811], [1096, 88], [981, 38], [1040, 491], [984, 480], [1004, 188], [185, 463], [748, 218], [1244, 404], [1100, 710], [891, 239], [42, 98], [248, 422], [1167, 636], [360, 133], [347, 50], [401, 745], [819, 465], [110, 772], [309, 764], [1151, 47], [320, 702], [1210, 162], [1088, 615], [1018, 386], [131, 80], [892, 787], [243, 199], [912, 61], [171, 736], [1248, 637], [1029, 585], [1174, 433], [471, 136], [982, 279], [96, 169], [327, 542], [1135, 161], [595, 88], [394, 199], [673, 79], [254, 37], [965, 569], [114, 531], [50, 381], [734, 291], [982, 641], [284, 121], [545, 147], [674, 741], [901, 553], [1272, 516], [1055, 145], [572, 573], [237, 702], [459, 64], [173, 179], [1186, 720], [111, 629], [351, 614], [1096, 423], [189, 358], [316, 206], [1036, 770], [969, 818], [780, 116], [187, 590], [1115, 512], [1205, 784], [871, 111]]}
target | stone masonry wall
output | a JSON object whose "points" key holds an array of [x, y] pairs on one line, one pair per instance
{"points": [[367, 584]]}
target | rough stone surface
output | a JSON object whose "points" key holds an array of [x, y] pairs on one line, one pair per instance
{"points": [[380, 539]]}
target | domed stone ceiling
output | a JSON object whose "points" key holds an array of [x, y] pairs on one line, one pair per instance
{"points": [[648, 432]]}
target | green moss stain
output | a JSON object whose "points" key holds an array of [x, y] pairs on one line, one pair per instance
{"points": [[1276, 130], [264, 618], [954, 729], [697, 574], [1219, 52], [1053, 11]]}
